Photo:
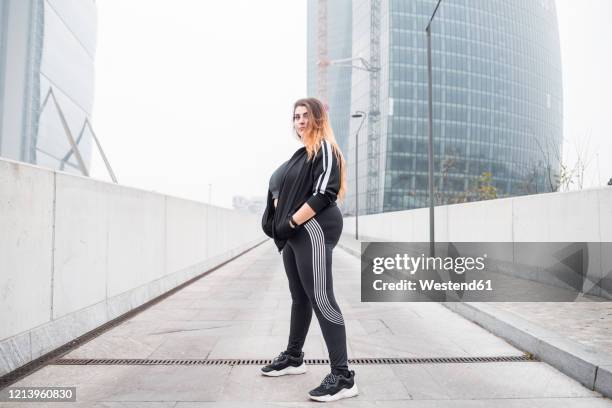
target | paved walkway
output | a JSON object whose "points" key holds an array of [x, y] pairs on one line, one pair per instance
{"points": [[588, 323], [242, 311]]}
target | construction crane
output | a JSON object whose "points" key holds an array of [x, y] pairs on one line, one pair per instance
{"points": [[323, 61]]}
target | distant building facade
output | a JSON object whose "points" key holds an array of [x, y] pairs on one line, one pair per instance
{"points": [[46, 44], [497, 92], [256, 205]]}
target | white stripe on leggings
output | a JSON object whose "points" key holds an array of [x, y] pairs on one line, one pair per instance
{"points": [[319, 272], [322, 268], [319, 288]]}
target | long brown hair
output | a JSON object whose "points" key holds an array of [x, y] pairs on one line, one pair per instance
{"points": [[318, 129]]}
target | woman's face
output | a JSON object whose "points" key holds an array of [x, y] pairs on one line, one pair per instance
{"points": [[300, 120]]}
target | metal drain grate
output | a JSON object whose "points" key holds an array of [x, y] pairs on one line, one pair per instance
{"points": [[233, 362]]}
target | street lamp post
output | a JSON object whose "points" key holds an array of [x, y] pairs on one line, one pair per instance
{"points": [[363, 115], [430, 141]]}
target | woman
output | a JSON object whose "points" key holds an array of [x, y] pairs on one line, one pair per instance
{"points": [[305, 222]]}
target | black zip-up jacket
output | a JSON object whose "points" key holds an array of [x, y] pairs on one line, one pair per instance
{"points": [[300, 181]]}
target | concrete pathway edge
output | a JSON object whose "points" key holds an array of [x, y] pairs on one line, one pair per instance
{"points": [[591, 367]]}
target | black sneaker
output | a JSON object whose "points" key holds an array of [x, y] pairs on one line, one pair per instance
{"points": [[335, 387], [285, 364]]}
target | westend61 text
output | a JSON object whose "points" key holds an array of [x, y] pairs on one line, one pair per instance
{"points": [[428, 285]]}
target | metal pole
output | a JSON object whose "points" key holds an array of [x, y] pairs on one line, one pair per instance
{"points": [[108, 166], [430, 138], [73, 144], [363, 115], [430, 149], [357, 185]]}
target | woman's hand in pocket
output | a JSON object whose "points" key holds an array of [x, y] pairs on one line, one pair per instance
{"points": [[285, 230]]}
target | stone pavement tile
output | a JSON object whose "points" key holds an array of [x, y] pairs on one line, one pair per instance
{"points": [[282, 329], [379, 383], [93, 383], [431, 309], [353, 327], [355, 402], [267, 313], [348, 403], [258, 315], [589, 323], [418, 381], [259, 328], [483, 346], [351, 402], [245, 383], [109, 345], [232, 404], [418, 327], [220, 313], [374, 311], [205, 327], [171, 383], [501, 403], [184, 345], [134, 383], [74, 375], [263, 347], [579, 361], [212, 302], [497, 380], [375, 327], [158, 315], [402, 346], [90, 404], [220, 292]]}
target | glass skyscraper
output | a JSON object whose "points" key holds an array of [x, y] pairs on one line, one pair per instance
{"points": [[497, 98], [46, 44]]}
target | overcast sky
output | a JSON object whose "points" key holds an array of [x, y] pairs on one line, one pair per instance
{"points": [[192, 93]]}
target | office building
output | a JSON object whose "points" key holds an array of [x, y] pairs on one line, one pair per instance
{"points": [[46, 44], [497, 100]]}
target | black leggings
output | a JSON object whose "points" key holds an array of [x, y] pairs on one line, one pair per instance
{"points": [[308, 262]]}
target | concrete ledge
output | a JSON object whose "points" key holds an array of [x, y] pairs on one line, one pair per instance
{"points": [[590, 367], [603, 380]]}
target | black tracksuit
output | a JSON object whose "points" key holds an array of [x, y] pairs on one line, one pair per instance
{"points": [[307, 250]]}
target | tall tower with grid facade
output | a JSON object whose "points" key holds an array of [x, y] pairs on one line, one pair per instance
{"points": [[497, 98]]}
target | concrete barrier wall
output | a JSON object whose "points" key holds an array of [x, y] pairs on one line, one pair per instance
{"points": [[579, 216], [76, 253]]}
